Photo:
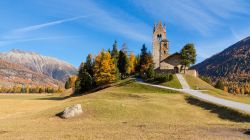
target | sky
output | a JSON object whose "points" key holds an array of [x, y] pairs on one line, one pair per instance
{"points": [[71, 29]]}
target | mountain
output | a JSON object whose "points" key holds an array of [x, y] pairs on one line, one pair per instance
{"points": [[231, 65], [11, 73], [52, 67]]}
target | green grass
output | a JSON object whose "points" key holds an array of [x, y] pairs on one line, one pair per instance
{"points": [[197, 83], [127, 110], [173, 83], [140, 88]]}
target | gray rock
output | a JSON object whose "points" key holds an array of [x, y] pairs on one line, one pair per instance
{"points": [[72, 111]]}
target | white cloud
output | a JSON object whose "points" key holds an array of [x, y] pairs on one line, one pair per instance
{"points": [[12, 41], [200, 16], [48, 24]]}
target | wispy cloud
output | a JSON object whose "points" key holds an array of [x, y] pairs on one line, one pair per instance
{"points": [[200, 16], [109, 20], [45, 25], [12, 41]]}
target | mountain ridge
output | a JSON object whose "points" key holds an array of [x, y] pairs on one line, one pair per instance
{"points": [[50, 66], [232, 65]]}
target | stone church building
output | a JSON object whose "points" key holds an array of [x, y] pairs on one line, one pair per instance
{"points": [[163, 60]]}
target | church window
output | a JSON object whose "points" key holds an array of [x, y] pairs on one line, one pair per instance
{"points": [[159, 37]]}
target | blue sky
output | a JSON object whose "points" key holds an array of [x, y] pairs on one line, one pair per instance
{"points": [[70, 29]]}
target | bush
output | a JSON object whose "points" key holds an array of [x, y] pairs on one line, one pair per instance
{"points": [[163, 77], [219, 84]]}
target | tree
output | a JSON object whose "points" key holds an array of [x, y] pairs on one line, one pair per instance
{"points": [[70, 83], [188, 55], [132, 63], [89, 64], [105, 70], [115, 52], [146, 61], [85, 81], [151, 72], [124, 48], [123, 64], [67, 85]]}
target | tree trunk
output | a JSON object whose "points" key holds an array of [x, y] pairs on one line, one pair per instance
{"points": [[185, 69]]}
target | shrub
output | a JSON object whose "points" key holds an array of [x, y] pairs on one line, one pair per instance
{"points": [[219, 84], [163, 77]]}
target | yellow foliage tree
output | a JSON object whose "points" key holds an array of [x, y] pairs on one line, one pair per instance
{"points": [[132, 63], [104, 69]]}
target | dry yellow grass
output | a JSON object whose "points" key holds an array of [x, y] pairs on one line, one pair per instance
{"points": [[114, 113]]}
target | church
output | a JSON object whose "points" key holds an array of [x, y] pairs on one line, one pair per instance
{"points": [[163, 60]]}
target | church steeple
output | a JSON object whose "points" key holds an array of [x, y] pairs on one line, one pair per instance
{"points": [[160, 44]]}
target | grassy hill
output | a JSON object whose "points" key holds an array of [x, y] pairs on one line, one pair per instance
{"points": [[173, 83], [197, 83], [126, 111]]}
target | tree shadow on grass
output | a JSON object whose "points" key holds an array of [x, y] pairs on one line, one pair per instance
{"points": [[223, 112], [124, 83], [54, 98]]}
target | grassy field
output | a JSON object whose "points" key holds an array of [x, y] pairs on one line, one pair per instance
{"points": [[125, 111], [197, 83], [173, 83]]}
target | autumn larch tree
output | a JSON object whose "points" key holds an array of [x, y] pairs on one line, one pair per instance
{"points": [[132, 63], [105, 70]]}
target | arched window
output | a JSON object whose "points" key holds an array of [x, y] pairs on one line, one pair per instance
{"points": [[159, 37]]}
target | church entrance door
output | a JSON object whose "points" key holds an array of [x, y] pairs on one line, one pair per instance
{"points": [[176, 70]]}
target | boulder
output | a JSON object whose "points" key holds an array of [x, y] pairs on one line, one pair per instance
{"points": [[72, 111]]}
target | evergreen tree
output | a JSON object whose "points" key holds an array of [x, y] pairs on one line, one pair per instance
{"points": [[89, 64], [67, 85], [84, 82], [123, 64], [188, 55], [105, 70], [115, 51], [146, 61]]}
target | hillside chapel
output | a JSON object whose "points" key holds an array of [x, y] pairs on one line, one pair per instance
{"points": [[163, 61]]}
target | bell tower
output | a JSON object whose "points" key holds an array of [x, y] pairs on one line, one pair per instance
{"points": [[160, 44]]}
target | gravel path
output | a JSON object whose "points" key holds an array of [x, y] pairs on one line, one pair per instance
{"points": [[203, 96]]}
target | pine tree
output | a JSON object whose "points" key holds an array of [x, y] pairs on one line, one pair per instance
{"points": [[115, 51], [123, 64], [188, 55], [146, 61], [89, 64], [105, 70], [84, 82]]}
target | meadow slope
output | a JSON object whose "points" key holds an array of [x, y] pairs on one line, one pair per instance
{"points": [[126, 111]]}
